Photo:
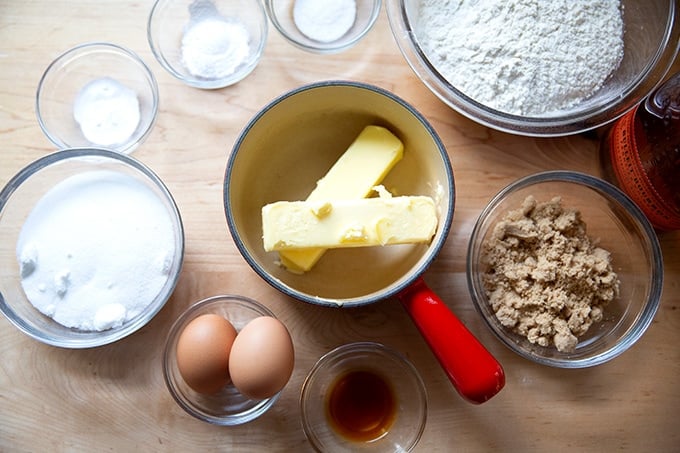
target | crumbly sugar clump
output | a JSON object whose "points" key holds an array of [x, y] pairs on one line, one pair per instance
{"points": [[545, 279]]}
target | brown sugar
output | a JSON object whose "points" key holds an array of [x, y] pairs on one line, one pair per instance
{"points": [[545, 279]]}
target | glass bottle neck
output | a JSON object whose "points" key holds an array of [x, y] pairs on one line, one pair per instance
{"points": [[664, 103]]}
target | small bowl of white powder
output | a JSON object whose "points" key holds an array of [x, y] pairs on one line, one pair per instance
{"points": [[323, 26], [208, 44], [565, 269], [97, 95], [546, 68], [92, 247]]}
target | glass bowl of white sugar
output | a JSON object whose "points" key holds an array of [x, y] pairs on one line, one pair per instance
{"points": [[97, 95], [208, 44], [538, 68], [323, 26], [92, 247]]}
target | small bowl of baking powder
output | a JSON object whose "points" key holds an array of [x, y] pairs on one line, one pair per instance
{"points": [[92, 247], [323, 26], [208, 44], [565, 269], [97, 95]]}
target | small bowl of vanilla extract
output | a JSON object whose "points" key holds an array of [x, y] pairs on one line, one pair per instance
{"points": [[363, 396]]}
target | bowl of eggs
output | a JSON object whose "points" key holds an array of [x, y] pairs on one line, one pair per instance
{"points": [[227, 359]]}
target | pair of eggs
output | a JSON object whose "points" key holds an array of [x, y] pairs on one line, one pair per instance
{"points": [[258, 360]]}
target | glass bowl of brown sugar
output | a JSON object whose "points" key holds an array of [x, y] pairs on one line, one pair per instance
{"points": [[565, 269]]}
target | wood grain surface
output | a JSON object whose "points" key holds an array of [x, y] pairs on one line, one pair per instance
{"points": [[113, 398]]}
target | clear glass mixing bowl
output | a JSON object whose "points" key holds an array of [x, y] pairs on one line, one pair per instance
{"points": [[651, 43]]}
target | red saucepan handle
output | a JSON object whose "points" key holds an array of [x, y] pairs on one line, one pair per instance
{"points": [[473, 371]]}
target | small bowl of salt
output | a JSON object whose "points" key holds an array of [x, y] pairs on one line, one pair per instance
{"points": [[97, 95], [323, 26], [208, 44]]}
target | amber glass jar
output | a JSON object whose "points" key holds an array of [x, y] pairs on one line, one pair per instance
{"points": [[641, 154]]}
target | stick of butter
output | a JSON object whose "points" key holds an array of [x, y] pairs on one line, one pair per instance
{"points": [[364, 165], [292, 225]]}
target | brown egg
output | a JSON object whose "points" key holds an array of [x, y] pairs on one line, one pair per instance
{"points": [[262, 358], [203, 353]]}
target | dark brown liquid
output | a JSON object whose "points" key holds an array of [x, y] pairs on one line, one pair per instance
{"points": [[641, 155], [361, 405], [659, 153]]}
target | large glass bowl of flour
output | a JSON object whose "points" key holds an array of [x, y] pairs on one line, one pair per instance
{"points": [[538, 68], [92, 247]]}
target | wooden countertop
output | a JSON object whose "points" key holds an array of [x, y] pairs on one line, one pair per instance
{"points": [[113, 398]]}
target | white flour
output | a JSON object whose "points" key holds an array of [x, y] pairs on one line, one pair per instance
{"points": [[528, 57], [106, 111], [95, 250], [324, 20], [213, 47]]}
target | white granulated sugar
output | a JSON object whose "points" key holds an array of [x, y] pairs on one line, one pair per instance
{"points": [[324, 20], [106, 111], [526, 57], [96, 250]]}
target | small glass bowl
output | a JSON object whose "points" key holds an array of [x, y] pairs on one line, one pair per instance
{"points": [[227, 407], [407, 386], [282, 16], [17, 200], [620, 227], [68, 75], [175, 25]]}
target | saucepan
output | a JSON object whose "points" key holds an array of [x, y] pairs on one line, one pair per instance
{"points": [[281, 154]]}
